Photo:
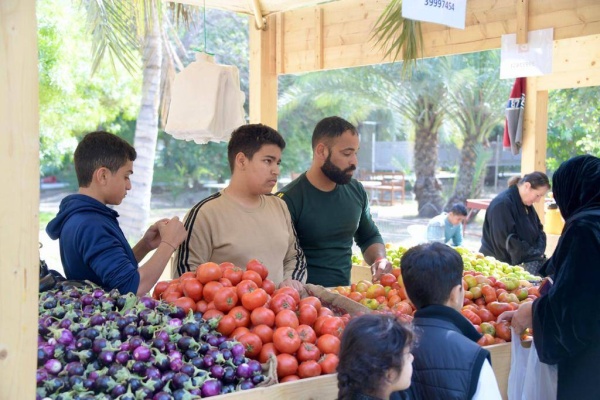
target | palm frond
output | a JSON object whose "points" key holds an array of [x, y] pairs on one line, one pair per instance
{"points": [[113, 28], [395, 34]]}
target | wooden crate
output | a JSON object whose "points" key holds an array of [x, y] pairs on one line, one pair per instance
{"points": [[319, 388], [501, 365]]}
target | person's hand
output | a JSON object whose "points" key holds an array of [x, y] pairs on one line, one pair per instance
{"points": [[172, 232], [151, 237], [379, 267], [294, 284], [520, 319]]}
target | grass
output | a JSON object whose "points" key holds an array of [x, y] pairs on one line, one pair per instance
{"points": [[45, 217]]}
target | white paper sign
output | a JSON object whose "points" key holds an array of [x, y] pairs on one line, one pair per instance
{"points": [[531, 59], [450, 13]]}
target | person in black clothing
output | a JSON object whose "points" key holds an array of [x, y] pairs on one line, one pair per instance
{"points": [[449, 364], [375, 358], [566, 321], [512, 231]]}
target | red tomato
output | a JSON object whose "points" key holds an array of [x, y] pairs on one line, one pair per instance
{"points": [[192, 288], [328, 344], [241, 316], [291, 291], [186, 304], [226, 325], [503, 330], [471, 316], [329, 363], [356, 296], [201, 306], [326, 311], [308, 351], [306, 333], [286, 340], [286, 318], [498, 308], [225, 299], [253, 276], [388, 279], [308, 369], [212, 313], [262, 315], [245, 286], [171, 296], [289, 378], [333, 326], [233, 274], [286, 365], [255, 299], [252, 344], [267, 350], [225, 282], [210, 289], [283, 301], [159, 288], [489, 293], [187, 275], [264, 332], [313, 301], [239, 331], [485, 315], [257, 266], [307, 314], [319, 323], [269, 286], [486, 340], [208, 272]]}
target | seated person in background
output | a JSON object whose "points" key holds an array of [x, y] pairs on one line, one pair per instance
{"points": [[449, 364], [245, 221], [448, 226], [375, 358], [92, 245]]}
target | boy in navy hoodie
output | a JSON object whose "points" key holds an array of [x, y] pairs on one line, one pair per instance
{"points": [[92, 245]]}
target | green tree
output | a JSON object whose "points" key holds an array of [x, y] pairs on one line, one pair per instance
{"points": [[573, 124]]}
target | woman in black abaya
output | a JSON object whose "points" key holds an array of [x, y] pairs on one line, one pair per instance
{"points": [[566, 321]]}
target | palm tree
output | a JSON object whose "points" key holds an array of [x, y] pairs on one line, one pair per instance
{"points": [[116, 28], [476, 100]]}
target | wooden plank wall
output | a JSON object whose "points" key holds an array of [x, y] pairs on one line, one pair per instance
{"points": [[344, 28], [19, 198]]}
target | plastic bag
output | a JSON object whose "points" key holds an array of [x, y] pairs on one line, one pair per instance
{"points": [[529, 378]]}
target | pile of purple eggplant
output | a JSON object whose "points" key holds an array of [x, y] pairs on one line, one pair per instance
{"points": [[94, 344]]}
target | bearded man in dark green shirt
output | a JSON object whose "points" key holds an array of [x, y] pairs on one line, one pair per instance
{"points": [[330, 209]]}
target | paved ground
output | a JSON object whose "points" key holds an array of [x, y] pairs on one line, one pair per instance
{"points": [[398, 224]]}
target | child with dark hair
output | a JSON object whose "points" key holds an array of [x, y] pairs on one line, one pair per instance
{"points": [[448, 226], [449, 364], [245, 221], [92, 245], [375, 358]]}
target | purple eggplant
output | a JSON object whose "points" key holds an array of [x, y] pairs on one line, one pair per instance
{"points": [[141, 353], [53, 366], [211, 387]]}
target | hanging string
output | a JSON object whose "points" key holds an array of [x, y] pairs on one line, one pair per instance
{"points": [[204, 22]]}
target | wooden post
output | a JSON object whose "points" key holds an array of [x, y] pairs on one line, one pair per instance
{"points": [[263, 74], [535, 125], [522, 21], [19, 198]]}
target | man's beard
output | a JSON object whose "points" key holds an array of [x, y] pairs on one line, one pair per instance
{"points": [[335, 174]]}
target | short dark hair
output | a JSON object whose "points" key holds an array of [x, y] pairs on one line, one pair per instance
{"points": [[430, 271], [458, 209], [249, 139], [330, 128], [536, 179], [371, 344], [100, 149]]}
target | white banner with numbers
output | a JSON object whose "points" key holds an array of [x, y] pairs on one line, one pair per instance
{"points": [[450, 13]]}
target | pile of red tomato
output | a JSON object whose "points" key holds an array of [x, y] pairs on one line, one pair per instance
{"points": [[303, 334]]}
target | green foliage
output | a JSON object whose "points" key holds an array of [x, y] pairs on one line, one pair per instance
{"points": [[72, 101], [573, 124]]}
